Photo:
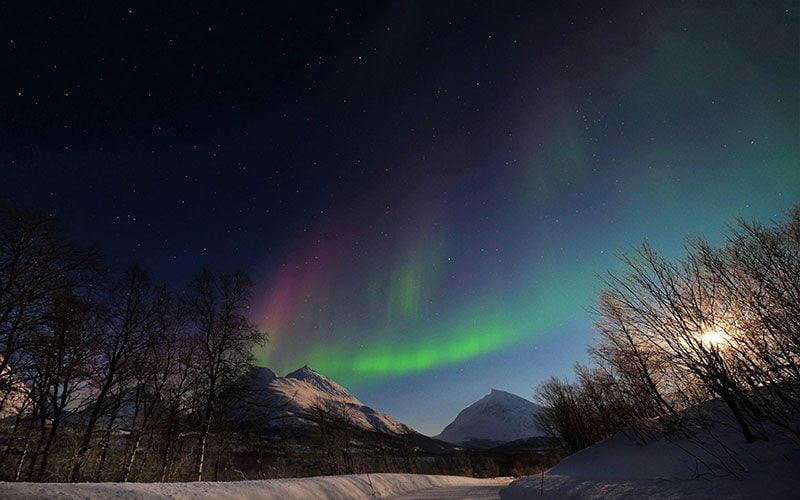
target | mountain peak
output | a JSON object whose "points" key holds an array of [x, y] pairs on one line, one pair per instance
{"points": [[304, 373], [318, 380], [498, 395], [303, 389], [305, 370], [499, 417]]}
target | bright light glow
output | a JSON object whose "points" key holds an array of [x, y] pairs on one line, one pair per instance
{"points": [[713, 338]]}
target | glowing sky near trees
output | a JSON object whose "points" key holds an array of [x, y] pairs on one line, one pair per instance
{"points": [[488, 250], [423, 193]]}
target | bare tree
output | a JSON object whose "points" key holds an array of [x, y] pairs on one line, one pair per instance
{"points": [[162, 374], [37, 263], [142, 376], [721, 323], [132, 307], [218, 306], [63, 352], [335, 431]]}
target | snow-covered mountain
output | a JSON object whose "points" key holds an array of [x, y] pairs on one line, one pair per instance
{"points": [[289, 400], [497, 418]]}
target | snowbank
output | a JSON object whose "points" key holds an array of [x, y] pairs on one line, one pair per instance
{"points": [[716, 462], [366, 486], [777, 484]]}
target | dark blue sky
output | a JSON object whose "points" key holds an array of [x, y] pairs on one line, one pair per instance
{"points": [[422, 191]]}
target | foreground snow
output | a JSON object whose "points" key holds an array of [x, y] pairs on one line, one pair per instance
{"points": [[775, 485], [716, 463], [367, 486]]}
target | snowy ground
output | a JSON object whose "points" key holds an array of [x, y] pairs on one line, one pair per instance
{"points": [[716, 463], [486, 490], [361, 486], [768, 486]]}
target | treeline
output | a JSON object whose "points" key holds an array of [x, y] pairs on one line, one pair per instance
{"points": [[721, 323], [108, 375]]}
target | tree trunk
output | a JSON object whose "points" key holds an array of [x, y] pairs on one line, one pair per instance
{"points": [[126, 468], [737, 414], [47, 448], [168, 446], [37, 449], [98, 474], [83, 449], [220, 447], [25, 446], [132, 444], [147, 450], [203, 439], [17, 420], [201, 449]]}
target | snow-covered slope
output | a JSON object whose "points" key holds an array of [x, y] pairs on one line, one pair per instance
{"points": [[361, 486], [716, 462], [497, 418], [289, 400]]}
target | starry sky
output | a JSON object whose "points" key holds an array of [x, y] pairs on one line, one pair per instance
{"points": [[423, 192]]}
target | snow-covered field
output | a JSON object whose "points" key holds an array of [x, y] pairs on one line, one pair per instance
{"points": [[360, 486], [717, 463]]}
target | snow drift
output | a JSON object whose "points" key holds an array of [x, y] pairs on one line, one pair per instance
{"points": [[360, 486], [709, 460]]}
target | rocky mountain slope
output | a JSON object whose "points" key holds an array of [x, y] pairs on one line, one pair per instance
{"points": [[294, 399]]}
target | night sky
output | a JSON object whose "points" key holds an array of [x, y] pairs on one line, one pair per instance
{"points": [[423, 192]]}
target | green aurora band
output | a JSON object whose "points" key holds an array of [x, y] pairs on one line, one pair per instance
{"points": [[700, 126]]}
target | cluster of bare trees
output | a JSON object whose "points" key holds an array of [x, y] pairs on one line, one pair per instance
{"points": [[722, 323], [109, 376], [349, 449], [334, 421]]}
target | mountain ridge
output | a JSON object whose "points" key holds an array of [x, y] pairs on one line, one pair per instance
{"points": [[294, 398]]}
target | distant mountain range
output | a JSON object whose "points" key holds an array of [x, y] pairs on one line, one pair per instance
{"points": [[496, 419], [292, 404], [500, 420]]}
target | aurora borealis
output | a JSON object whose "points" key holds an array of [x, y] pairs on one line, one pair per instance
{"points": [[669, 126], [424, 193]]}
